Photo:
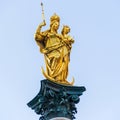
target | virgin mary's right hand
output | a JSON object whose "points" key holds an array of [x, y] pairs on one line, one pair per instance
{"points": [[42, 24]]}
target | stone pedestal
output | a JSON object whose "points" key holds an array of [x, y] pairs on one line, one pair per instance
{"points": [[56, 101], [59, 118]]}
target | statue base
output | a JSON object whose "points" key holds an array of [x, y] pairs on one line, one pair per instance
{"points": [[55, 101]]}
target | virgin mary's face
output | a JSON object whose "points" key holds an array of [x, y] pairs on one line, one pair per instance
{"points": [[55, 25]]}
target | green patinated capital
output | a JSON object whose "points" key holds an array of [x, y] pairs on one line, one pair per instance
{"points": [[56, 100]]}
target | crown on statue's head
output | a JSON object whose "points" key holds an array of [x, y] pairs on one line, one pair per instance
{"points": [[55, 17]]}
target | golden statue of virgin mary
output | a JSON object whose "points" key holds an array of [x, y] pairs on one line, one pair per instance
{"points": [[56, 49]]}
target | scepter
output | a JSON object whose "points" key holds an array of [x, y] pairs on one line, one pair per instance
{"points": [[43, 17]]}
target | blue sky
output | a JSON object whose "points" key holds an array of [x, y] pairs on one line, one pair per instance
{"points": [[95, 56]]}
